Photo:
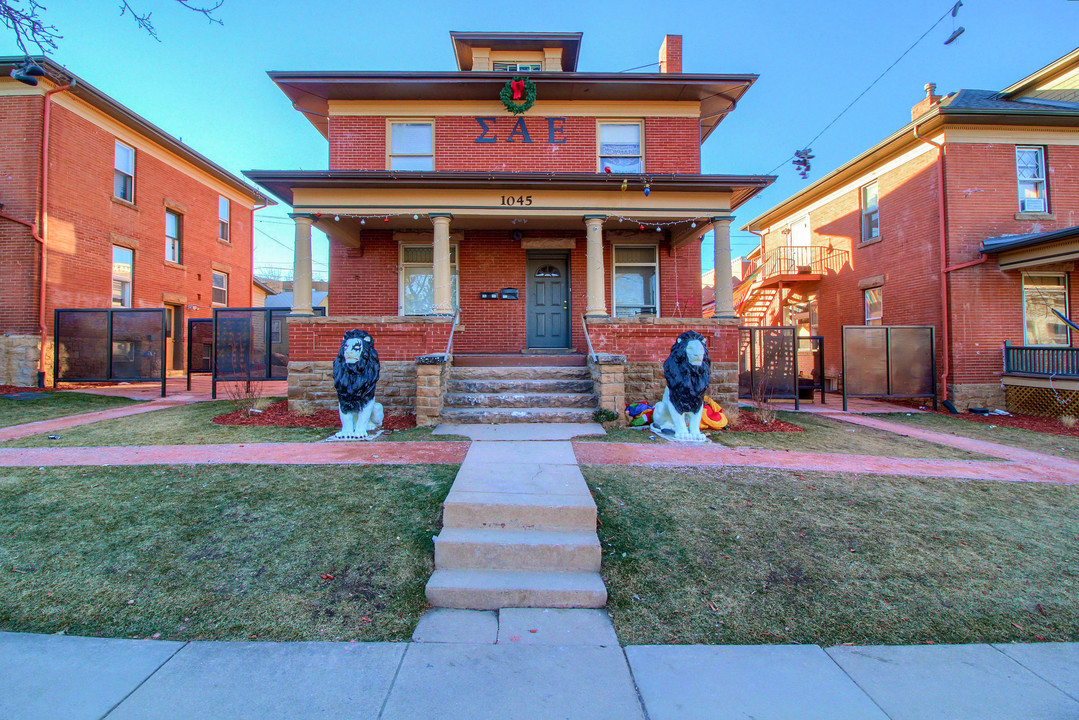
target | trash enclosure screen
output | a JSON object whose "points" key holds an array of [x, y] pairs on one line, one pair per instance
{"points": [[120, 344], [768, 363], [889, 362]]}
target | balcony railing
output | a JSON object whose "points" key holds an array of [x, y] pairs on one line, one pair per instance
{"points": [[791, 260], [1041, 360]]}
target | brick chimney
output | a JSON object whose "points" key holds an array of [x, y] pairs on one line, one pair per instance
{"points": [[928, 103], [670, 54]]}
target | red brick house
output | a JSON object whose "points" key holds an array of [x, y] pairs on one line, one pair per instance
{"points": [[112, 212], [966, 219], [513, 232]]}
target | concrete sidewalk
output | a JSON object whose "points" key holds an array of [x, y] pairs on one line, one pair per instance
{"points": [[511, 674]]}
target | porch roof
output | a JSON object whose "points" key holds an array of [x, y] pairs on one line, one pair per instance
{"points": [[282, 183], [1032, 249]]}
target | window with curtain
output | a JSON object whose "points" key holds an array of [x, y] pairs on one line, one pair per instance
{"points": [[1042, 294], [418, 279], [636, 280], [1030, 175], [620, 147]]}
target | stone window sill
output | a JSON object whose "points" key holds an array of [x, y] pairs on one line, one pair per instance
{"points": [[874, 241], [178, 266], [125, 203], [1035, 216], [226, 243]]}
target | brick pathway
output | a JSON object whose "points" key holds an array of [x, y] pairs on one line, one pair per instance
{"points": [[358, 453]]}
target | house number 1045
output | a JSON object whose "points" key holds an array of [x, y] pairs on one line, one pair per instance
{"points": [[517, 200]]}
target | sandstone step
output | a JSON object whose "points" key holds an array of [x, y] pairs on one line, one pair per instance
{"points": [[532, 372], [519, 399], [495, 589], [518, 511], [518, 385], [574, 551], [553, 358], [460, 416]]}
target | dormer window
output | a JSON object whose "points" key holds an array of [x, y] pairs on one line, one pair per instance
{"points": [[517, 66]]}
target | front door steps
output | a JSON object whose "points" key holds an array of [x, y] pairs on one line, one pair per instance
{"points": [[519, 530], [518, 388]]}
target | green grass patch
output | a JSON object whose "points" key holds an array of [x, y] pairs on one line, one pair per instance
{"points": [[49, 405], [821, 434], [219, 553], [746, 556], [1062, 445], [192, 425]]}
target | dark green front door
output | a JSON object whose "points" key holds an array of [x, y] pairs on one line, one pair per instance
{"points": [[548, 302]]}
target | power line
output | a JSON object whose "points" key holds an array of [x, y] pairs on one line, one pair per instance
{"points": [[951, 11]]}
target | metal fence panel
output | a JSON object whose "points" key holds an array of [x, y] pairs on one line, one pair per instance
{"points": [[240, 344], [82, 346], [889, 362], [279, 343], [137, 338], [768, 363], [865, 360], [910, 350], [200, 345]]}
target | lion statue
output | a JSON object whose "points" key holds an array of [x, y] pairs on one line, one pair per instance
{"points": [[355, 373], [688, 370]]}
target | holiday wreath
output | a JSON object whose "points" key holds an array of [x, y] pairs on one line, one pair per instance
{"points": [[518, 95]]}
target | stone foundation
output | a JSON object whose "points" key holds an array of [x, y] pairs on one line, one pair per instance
{"points": [[18, 360], [310, 386], [987, 395]]}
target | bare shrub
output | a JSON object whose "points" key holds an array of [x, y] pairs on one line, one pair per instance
{"points": [[1068, 421], [246, 395], [765, 413]]}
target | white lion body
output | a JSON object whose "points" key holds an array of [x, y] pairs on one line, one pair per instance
{"points": [[667, 421], [356, 425]]}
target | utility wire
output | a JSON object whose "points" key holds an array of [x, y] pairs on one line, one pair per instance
{"points": [[951, 11]]}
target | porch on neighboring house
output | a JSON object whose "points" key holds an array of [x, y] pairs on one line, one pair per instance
{"points": [[1041, 374]]}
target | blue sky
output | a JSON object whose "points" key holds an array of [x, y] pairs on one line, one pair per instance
{"points": [[207, 84]]}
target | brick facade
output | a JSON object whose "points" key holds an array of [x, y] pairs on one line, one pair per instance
{"points": [[85, 220]]}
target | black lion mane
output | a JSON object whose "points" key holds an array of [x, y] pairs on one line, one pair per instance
{"points": [[355, 384], [687, 384]]}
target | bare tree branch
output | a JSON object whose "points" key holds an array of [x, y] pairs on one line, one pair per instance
{"points": [[25, 18]]}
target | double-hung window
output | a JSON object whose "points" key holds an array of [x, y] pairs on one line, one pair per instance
{"points": [[123, 260], [870, 214], [412, 145], [1042, 294], [874, 306], [123, 186], [220, 294], [223, 214], [418, 279], [174, 224], [636, 278], [1031, 175], [620, 147]]}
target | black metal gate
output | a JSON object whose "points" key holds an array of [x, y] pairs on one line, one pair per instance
{"points": [[768, 363], [882, 361], [249, 344], [109, 345], [200, 347], [811, 366]]}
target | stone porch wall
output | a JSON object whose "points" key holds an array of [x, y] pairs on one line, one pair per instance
{"points": [[310, 387], [609, 382], [432, 372]]}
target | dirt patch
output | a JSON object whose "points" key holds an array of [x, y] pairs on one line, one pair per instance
{"points": [[1022, 422], [278, 415]]}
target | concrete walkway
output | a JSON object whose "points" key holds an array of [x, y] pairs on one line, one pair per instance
{"points": [[515, 668]]}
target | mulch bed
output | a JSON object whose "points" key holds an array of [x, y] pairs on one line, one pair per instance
{"points": [[750, 422], [11, 389], [1052, 426], [278, 415]]}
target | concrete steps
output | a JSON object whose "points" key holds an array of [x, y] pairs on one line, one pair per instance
{"points": [[518, 511], [496, 589], [459, 548], [516, 393]]}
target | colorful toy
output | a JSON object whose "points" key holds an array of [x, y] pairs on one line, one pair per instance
{"points": [[639, 414], [712, 418]]}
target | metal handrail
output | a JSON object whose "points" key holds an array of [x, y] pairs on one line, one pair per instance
{"points": [[449, 343], [587, 339]]}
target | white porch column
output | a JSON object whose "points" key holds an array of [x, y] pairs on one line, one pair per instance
{"points": [[301, 267], [724, 289], [597, 298], [443, 304]]}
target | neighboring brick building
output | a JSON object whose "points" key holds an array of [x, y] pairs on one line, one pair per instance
{"points": [[441, 203], [966, 219], [128, 216]]}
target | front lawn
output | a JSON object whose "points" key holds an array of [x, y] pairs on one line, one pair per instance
{"points": [[221, 552], [821, 434], [747, 556], [1049, 443], [35, 406], [192, 425]]}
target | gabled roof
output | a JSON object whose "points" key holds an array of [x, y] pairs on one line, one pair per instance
{"points": [[1053, 71], [463, 42], [59, 75]]}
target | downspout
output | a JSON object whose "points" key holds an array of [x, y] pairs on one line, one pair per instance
{"points": [[945, 309], [43, 220]]}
